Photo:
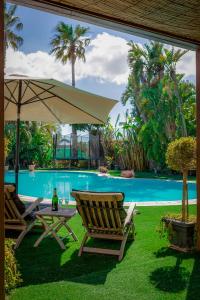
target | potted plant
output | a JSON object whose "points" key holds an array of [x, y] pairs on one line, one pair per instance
{"points": [[181, 156], [103, 170], [31, 166], [128, 173]]}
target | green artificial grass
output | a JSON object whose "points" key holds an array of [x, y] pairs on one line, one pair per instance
{"points": [[148, 271]]}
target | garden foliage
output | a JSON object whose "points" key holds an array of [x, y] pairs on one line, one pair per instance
{"points": [[12, 275]]}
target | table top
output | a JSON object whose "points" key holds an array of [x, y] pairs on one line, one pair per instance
{"points": [[62, 212]]}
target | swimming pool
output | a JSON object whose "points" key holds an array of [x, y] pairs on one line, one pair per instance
{"points": [[41, 184]]}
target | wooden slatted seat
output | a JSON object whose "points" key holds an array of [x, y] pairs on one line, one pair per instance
{"points": [[14, 220], [104, 217]]}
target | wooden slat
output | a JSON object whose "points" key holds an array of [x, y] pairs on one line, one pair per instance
{"points": [[117, 216], [87, 212], [15, 227], [112, 215], [7, 214], [101, 251], [99, 215], [80, 210], [105, 215], [10, 209], [93, 211], [106, 236], [12, 221], [98, 197]]}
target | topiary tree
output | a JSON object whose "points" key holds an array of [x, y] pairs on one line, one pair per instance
{"points": [[181, 156]]}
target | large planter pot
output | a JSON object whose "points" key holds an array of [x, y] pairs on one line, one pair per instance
{"points": [[6, 168], [128, 173], [31, 168], [180, 234]]}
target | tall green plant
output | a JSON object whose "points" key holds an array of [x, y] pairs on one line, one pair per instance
{"points": [[162, 103], [36, 142], [120, 142]]}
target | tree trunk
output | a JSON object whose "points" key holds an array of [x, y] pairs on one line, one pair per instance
{"points": [[185, 207], [73, 72], [180, 104], [74, 153]]}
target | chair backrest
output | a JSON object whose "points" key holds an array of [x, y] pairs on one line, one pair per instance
{"points": [[102, 212], [12, 214]]}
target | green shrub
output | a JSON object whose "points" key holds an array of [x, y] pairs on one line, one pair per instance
{"points": [[12, 275], [181, 154]]}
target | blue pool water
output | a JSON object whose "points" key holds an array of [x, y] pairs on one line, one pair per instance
{"points": [[41, 184]]}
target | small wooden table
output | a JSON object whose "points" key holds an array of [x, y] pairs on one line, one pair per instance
{"points": [[61, 217]]}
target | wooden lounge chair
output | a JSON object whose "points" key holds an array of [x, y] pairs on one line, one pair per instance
{"points": [[14, 220], [104, 217]]}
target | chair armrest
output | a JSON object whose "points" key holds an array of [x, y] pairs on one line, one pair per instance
{"points": [[31, 207], [130, 213]]}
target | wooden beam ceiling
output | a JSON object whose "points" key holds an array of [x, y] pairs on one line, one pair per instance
{"points": [[176, 22]]}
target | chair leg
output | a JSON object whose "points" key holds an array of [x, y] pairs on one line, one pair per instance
{"points": [[70, 231], [131, 235], [82, 244], [22, 235], [123, 246]]}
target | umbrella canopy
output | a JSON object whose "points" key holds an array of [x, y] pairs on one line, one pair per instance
{"points": [[49, 100]]}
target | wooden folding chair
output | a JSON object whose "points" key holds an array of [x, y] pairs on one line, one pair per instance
{"points": [[104, 217], [13, 219]]}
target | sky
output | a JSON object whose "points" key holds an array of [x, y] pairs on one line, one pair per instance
{"points": [[105, 71]]}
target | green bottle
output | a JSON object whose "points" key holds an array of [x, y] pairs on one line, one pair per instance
{"points": [[55, 200]]}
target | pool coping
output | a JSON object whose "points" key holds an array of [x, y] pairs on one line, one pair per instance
{"points": [[145, 203]]}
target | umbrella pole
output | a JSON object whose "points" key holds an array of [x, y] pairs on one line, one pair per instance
{"points": [[18, 137]]}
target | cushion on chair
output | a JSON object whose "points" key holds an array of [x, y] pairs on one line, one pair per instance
{"points": [[11, 187], [14, 197]]}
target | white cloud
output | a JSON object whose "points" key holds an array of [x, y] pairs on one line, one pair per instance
{"points": [[187, 65], [38, 64], [106, 59]]}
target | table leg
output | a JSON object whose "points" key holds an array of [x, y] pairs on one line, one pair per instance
{"points": [[49, 229], [64, 222]]}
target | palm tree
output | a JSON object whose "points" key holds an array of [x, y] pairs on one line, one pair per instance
{"points": [[146, 71], [68, 45], [12, 25], [172, 58]]}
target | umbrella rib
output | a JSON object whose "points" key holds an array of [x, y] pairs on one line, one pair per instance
{"points": [[72, 105], [46, 105], [27, 84], [51, 111], [9, 100], [34, 101], [11, 93], [31, 100], [6, 106]]}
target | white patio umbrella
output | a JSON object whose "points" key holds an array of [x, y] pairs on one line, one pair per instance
{"points": [[49, 100]]}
